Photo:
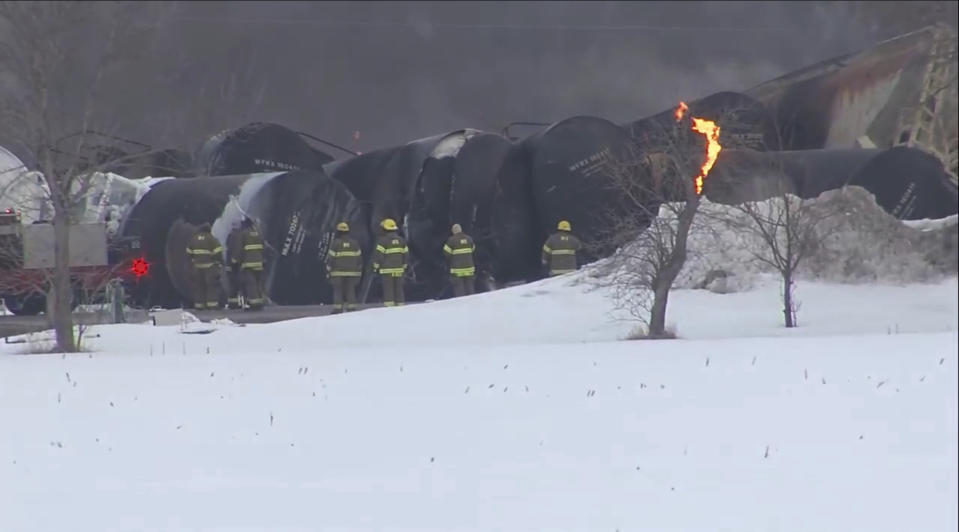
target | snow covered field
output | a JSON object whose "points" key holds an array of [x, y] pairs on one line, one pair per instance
{"points": [[513, 410]]}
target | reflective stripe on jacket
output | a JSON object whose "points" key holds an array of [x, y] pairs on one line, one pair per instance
{"points": [[391, 255], [252, 258], [559, 253], [459, 250], [345, 258], [204, 250]]}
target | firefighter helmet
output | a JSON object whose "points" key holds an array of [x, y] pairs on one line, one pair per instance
{"points": [[564, 226], [457, 229], [388, 224], [343, 227]]}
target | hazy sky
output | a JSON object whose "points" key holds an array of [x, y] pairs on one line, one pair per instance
{"points": [[397, 71]]}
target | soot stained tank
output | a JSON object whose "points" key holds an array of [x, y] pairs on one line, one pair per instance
{"points": [[457, 184], [385, 178], [296, 212], [517, 239], [570, 167], [478, 202], [907, 182], [744, 122], [387, 182], [257, 147]]}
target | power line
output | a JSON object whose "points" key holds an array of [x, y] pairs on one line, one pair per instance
{"points": [[442, 25]]}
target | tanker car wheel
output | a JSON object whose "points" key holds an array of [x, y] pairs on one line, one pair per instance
{"points": [[30, 305]]}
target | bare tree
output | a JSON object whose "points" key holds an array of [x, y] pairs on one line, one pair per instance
{"points": [[776, 225], [659, 178], [48, 113], [781, 232]]}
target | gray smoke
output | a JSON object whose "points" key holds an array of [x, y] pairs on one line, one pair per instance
{"points": [[397, 71]]}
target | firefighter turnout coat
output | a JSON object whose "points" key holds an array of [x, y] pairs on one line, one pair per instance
{"points": [[345, 258], [559, 253], [459, 250]]}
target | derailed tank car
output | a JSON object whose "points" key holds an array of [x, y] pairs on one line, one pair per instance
{"points": [[257, 147], [571, 165], [744, 120], [457, 184], [907, 182], [873, 98], [426, 186], [296, 212]]}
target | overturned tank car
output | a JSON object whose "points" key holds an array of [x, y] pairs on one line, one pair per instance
{"points": [[745, 122], [574, 168], [908, 183], [426, 186], [257, 147], [296, 213], [900, 92]]}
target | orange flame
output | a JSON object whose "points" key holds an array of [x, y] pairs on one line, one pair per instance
{"points": [[710, 130]]}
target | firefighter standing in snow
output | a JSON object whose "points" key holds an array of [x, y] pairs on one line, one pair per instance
{"points": [[234, 255], [459, 250], [390, 261], [249, 261], [344, 262], [559, 251], [206, 256]]}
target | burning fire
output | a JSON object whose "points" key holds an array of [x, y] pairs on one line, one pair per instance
{"points": [[710, 130]]}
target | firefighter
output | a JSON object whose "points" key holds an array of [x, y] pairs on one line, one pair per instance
{"points": [[206, 255], [344, 262], [459, 250], [251, 265], [559, 251], [234, 256], [390, 261]]}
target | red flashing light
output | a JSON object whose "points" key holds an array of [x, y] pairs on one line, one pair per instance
{"points": [[140, 267]]}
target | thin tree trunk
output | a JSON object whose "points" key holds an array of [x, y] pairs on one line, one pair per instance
{"points": [[677, 258], [62, 287], [788, 299], [657, 314]]}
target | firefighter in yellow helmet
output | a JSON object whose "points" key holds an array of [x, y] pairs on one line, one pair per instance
{"points": [[206, 257], [251, 265], [344, 262], [390, 260], [459, 250], [559, 251]]}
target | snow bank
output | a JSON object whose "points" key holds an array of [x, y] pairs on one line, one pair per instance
{"points": [[568, 310], [927, 224], [864, 245], [788, 434], [510, 410]]}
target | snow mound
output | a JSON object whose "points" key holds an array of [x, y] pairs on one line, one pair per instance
{"points": [[491, 412], [863, 244]]}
